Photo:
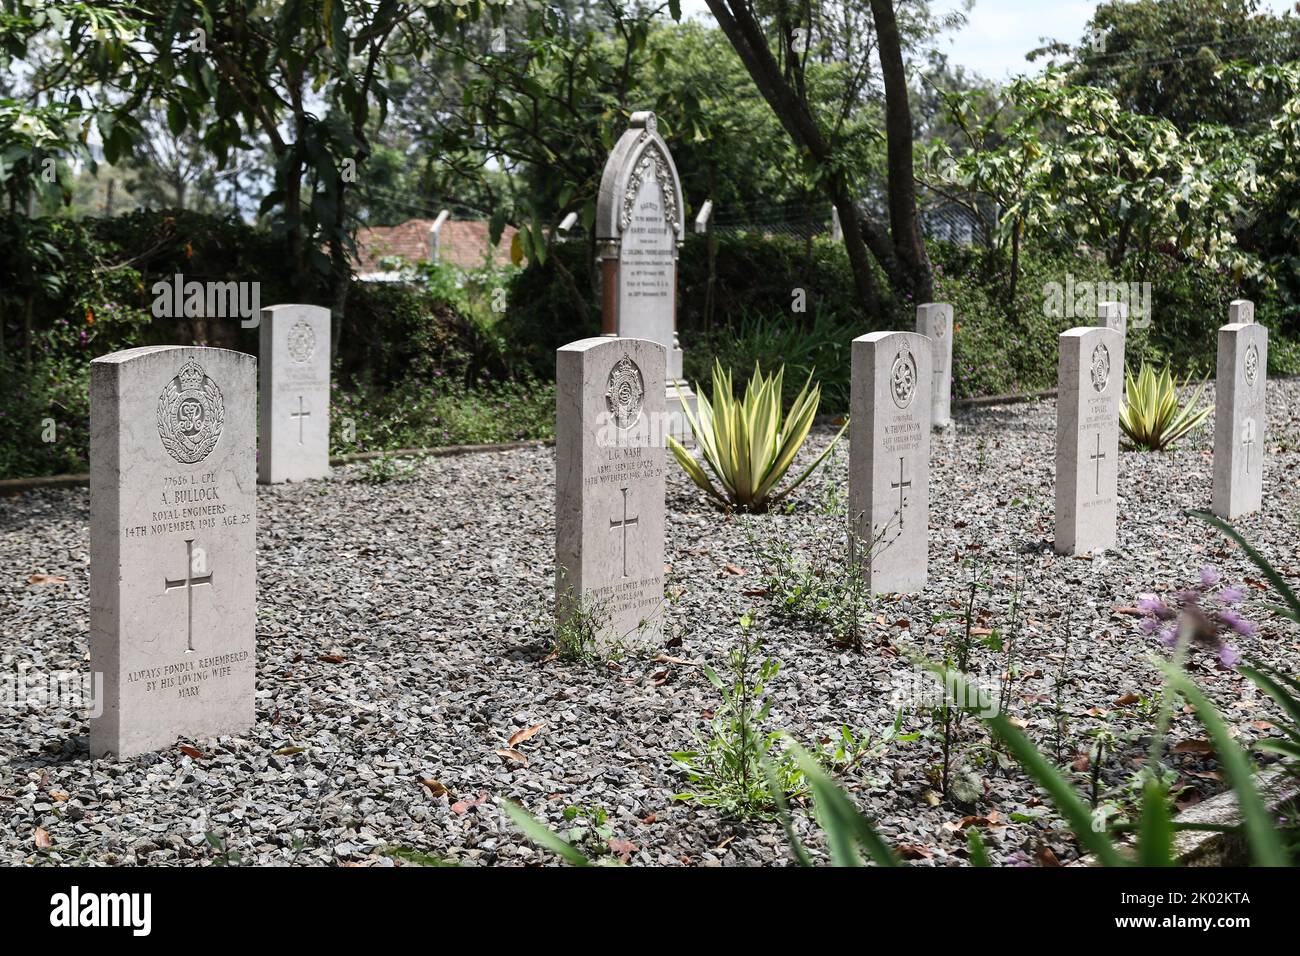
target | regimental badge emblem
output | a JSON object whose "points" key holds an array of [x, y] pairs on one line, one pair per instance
{"points": [[302, 341], [1100, 367], [190, 414], [902, 378], [625, 393], [1251, 364], [940, 323]]}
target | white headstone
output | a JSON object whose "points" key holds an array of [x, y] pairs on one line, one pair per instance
{"points": [[1239, 419], [1113, 315], [172, 522], [294, 393], [609, 485], [1241, 311], [639, 229], [934, 321], [889, 459], [1087, 438]]}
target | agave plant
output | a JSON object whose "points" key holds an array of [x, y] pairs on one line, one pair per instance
{"points": [[746, 443], [1152, 416]]}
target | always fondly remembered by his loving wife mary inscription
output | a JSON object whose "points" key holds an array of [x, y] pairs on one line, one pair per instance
{"points": [[1089, 377], [609, 486], [172, 521], [294, 393], [889, 459]]}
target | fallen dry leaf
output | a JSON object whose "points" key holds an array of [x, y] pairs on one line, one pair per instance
{"points": [[46, 579], [519, 736], [333, 658], [1046, 857], [649, 818], [513, 755], [189, 751], [464, 806], [733, 570], [1193, 747], [43, 841], [435, 787], [910, 851], [623, 849], [1127, 699], [58, 796], [1081, 763]]}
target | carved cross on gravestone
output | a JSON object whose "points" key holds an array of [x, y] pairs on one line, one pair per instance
{"points": [[300, 414], [1248, 439], [900, 485], [613, 525], [189, 583], [1098, 459]]}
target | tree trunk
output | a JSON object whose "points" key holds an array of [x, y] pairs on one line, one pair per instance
{"points": [[903, 221]]}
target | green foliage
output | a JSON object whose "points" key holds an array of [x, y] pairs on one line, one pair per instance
{"points": [[820, 342], [746, 443], [386, 468], [726, 768], [1153, 416]]}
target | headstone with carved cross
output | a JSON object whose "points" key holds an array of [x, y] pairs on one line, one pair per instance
{"points": [[934, 320], [609, 488], [1088, 379], [640, 225], [889, 459], [172, 521], [294, 393], [1241, 378]]}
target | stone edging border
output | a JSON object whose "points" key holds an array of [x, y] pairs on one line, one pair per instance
{"points": [[11, 486], [1213, 848]]}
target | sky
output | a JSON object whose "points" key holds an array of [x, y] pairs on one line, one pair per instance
{"points": [[998, 33]]}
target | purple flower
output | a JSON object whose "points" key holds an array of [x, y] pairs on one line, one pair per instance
{"points": [[1169, 636], [1150, 625], [1150, 604], [1209, 576], [1232, 595], [1229, 656], [1238, 623]]}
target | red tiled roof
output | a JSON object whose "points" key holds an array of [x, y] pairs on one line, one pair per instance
{"points": [[463, 244]]}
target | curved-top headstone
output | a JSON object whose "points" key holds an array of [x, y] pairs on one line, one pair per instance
{"points": [[640, 224], [609, 486], [172, 548], [934, 321], [294, 393]]}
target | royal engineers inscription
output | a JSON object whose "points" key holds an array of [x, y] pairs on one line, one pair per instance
{"points": [[889, 459], [294, 393], [172, 498], [1089, 374], [609, 493]]}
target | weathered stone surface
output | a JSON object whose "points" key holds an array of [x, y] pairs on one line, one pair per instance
{"points": [[639, 229], [1240, 415], [172, 586], [609, 486], [294, 393], [889, 459], [1087, 438], [1241, 311], [934, 320]]}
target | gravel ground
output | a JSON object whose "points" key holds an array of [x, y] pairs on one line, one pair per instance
{"points": [[402, 642]]}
